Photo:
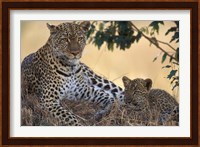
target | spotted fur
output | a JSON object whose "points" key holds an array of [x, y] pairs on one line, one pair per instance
{"points": [[54, 72], [150, 104]]}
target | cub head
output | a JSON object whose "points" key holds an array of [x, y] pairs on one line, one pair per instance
{"points": [[67, 41], [133, 87]]}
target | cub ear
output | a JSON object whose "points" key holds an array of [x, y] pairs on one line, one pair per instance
{"points": [[52, 28], [148, 83], [85, 25], [126, 81]]}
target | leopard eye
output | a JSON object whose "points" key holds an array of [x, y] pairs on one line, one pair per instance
{"points": [[81, 38]]}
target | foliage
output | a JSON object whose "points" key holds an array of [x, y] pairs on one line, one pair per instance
{"points": [[173, 75], [123, 34], [173, 64], [33, 115], [174, 30], [117, 34], [155, 27]]}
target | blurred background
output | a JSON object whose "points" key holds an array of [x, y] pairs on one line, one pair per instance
{"points": [[140, 58]]}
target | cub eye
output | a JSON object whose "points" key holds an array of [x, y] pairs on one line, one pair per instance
{"points": [[64, 40], [133, 93]]}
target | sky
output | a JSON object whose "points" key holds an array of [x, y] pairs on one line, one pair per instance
{"points": [[135, 62]]}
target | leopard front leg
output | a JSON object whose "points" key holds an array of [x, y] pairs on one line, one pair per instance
{"points": [[101, 98], [52, 104], [104, 110]]}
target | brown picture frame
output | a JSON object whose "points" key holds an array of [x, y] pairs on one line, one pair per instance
{"points": [[100, 5]]}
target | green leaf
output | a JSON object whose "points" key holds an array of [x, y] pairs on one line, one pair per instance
{"points": [[101, 26], [152, 33], [176, 36], [145, 30], [175, 63], [90, 40], [110, 46], [91, 31], [176, 85], [167, 66], [177, 54], [175, 79], [155, 59], [138, 37], [170, 60], [161, 22], [172, 29], [155, 25], [177, 23], [99, 43], [142, 29], [164, 57], [172, 73], [154, 41]]}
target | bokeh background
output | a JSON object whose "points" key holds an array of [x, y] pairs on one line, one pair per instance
{"points": [[135, 62]]}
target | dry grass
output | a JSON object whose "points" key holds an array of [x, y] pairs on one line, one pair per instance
{"points": [[33, 115]]}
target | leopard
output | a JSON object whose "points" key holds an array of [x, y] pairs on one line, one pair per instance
{"points": [[54, 72], [152, 105]]}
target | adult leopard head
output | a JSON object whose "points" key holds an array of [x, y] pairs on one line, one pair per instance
{"points": [[67, 41], [135, 87]]}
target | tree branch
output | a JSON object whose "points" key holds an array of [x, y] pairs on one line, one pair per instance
{"points": [[153, 42], [167, 44]]}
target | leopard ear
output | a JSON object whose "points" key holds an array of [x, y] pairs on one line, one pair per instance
{"points": [[85, 25], [126, 81], [52, 28], [148, 83]]}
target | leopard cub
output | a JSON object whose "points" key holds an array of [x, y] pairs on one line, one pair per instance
{"points": [[150, 105]]}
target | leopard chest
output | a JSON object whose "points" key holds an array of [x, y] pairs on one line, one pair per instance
{"points": [[73, 87]]}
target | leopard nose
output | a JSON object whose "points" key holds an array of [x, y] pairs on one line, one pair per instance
{"points": [[75, 53], [74, 47]]}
